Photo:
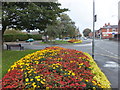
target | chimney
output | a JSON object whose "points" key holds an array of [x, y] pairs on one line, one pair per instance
{"points": [[108, 24], [105, 24]]}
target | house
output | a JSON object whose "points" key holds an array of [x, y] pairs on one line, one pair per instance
{"points": [[108, 31], [97, 34]]}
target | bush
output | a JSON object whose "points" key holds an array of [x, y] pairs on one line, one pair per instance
{"points": [[21, 37], [37, 37], [13, 31]]}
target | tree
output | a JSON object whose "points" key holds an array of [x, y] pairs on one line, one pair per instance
{"points": [[63, 27], [52, 32], [29, 15], [66, 26], [86, 32]]}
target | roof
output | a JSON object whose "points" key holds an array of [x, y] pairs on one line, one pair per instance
{"points": [[110, 26]]}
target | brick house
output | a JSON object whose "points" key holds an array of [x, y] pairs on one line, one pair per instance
{"points": [[97, 34], [108, 31]]}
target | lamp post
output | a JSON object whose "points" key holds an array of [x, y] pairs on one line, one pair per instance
{"points": [[94, 20]]}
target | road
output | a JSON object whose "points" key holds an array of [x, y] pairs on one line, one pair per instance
{"points": [[106, 56]]}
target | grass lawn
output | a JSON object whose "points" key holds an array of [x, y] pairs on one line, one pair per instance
{"points": [[55, 42], [9, 57]]}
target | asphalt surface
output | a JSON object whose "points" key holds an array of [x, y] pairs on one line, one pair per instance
{"points": [[106, 56]]}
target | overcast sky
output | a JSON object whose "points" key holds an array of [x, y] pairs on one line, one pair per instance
{"points": [[81, 12]]}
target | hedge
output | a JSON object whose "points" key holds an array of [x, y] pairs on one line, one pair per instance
{"points": [[21, 37]]}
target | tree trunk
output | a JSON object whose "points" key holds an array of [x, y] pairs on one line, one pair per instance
{"points": [[2, 40]]}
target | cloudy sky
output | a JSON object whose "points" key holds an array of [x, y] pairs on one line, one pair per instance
{"points": [[81, 12]]}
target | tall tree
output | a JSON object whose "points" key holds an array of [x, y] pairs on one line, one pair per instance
{"points": [[29, 15], [67, 26], [86, 32]]}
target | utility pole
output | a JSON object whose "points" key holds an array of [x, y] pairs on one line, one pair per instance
{"points": [[94, 20]]}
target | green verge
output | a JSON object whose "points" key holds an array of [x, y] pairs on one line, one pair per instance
{"points": [[9, 57], [55, 42]]}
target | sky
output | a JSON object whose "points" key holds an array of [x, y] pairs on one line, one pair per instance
{"points": [[81, 12]]}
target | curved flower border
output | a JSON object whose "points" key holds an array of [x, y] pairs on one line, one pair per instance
{"points": [[55, 67]]}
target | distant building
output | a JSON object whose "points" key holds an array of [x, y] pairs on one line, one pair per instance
{"points": [[106, 32]]}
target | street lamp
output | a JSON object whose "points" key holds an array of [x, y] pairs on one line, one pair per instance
{"points": [[94, 20]]}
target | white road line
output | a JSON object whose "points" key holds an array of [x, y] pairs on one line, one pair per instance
{"points": [[108, 51], [83, 44], [111, 64], [116, 57]]}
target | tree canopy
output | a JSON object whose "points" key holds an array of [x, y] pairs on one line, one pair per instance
{"points": [[86, 32], [63, 27], [29, 15]]}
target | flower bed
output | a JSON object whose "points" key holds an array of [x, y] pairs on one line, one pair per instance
{"points": [[55, 67], [75, 41]]}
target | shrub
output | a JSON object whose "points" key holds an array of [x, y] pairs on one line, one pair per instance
{"points": [[37, 37], [21, 37], [13, 31], [55, 67]]}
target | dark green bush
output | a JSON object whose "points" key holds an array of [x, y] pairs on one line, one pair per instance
{"points": [[37, 37], [21, 37]]}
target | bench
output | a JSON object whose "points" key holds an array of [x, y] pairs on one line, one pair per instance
{"points": [[14, 45]]}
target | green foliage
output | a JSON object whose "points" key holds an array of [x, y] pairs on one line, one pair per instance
{"points": [[63, 27], [9, 57], [13, 31], [29, 15], [56, 42], [21, 37], [37, 37], [86, 32]]}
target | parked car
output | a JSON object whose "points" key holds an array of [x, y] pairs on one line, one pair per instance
{"points": [[67, 37], [30, 40]]}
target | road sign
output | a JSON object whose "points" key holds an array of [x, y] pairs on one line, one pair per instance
{"points": [[113, 33]]}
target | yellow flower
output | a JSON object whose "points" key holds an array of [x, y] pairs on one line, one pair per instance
{"points": [[61, 69], [94, 88], [73, 74], [47, 88], [26, 79], [80, 64], [34, 86], [33, 83], [53, 67], [42, 82], [31, 79], [38, 79], [43, 79]]}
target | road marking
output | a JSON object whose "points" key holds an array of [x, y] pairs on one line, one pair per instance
{"points": [[116, 57], [111, 64], [109, 52], [83, 44]]}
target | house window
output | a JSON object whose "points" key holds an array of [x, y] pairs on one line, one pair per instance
{"points": [[105, 35], [107, 30], [113, 30]]}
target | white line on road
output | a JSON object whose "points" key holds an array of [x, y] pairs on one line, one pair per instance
{"points": [[83, 44], [108, 51], [116, 57], [111, 64]]}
